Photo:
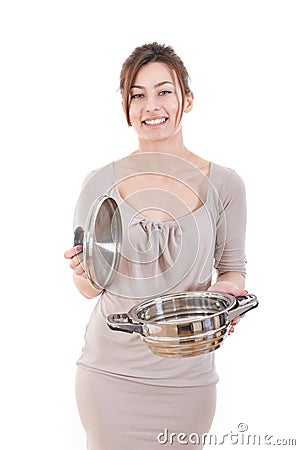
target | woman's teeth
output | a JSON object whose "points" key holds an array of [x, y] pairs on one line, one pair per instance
{"points": [[155, 121]]}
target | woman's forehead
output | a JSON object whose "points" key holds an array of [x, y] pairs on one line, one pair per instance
{"points": [[154, 73]]}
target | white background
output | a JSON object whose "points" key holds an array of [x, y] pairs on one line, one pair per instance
{"points": [[61, 117]]}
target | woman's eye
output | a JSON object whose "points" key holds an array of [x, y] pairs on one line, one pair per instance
{"points": [[164, 92], [136, 96]]}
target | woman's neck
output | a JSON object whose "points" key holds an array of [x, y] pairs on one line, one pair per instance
{"points": [[173, 146]]}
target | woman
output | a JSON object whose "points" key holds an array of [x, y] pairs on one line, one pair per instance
{"points": [[183, 217]]}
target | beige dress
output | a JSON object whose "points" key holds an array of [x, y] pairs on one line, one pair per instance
{"points": [[128, 398]]}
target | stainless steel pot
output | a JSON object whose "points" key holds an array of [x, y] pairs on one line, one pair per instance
{"points": [[185, 324]]}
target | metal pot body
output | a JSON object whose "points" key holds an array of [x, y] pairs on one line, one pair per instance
{"points": [[185, 324]]}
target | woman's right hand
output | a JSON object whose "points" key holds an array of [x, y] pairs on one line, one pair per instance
{"points": [[75, 256], [80, 278]]}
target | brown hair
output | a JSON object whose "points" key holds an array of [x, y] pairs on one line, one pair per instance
{"points": [[151, 53]]}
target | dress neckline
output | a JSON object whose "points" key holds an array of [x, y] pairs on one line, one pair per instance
{"points": [[164, 222]]}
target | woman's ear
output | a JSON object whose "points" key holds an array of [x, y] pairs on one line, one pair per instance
{"points": [[188, 102]]}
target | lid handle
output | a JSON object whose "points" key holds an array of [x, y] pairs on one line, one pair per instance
{"points": [[78, 236]]}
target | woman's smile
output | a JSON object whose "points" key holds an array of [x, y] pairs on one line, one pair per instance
{"points": [[155, 122]]}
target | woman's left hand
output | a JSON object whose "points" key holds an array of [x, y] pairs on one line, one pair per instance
{"points": [[225, 287]]}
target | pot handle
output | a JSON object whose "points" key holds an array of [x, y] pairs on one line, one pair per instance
{"points": [[244, 304], [122, 322]]}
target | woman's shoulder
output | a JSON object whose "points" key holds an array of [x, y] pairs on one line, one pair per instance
{"points": [[98, 182], [107, 172], [100, 174], [225, 179], [223, 175]]}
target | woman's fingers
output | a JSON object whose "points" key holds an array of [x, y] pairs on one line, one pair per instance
{"points": [[234, 323], [71, 252], [75, 256], [239, 292]]}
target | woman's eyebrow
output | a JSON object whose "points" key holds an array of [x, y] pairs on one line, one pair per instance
{"points": [[161, 83]]}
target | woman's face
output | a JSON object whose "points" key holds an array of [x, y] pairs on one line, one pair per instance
{"points": [[155, 102]]}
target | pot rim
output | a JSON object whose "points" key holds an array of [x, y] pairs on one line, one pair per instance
{"points": [[133, 312]]}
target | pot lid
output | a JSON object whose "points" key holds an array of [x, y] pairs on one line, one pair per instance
{"points": [[101, 238]]}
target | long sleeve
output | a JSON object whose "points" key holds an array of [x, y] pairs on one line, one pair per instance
{"points": [[231, 227]]}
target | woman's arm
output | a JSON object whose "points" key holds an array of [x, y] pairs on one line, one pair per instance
{"points": [[84, 287], [230, 241], [230, 283], [229, 254]]}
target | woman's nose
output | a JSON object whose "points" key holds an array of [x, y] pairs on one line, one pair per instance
{"points": [[152, 104]]}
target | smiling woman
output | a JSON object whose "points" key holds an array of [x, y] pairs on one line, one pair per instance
{"points": [[182, 217]]}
